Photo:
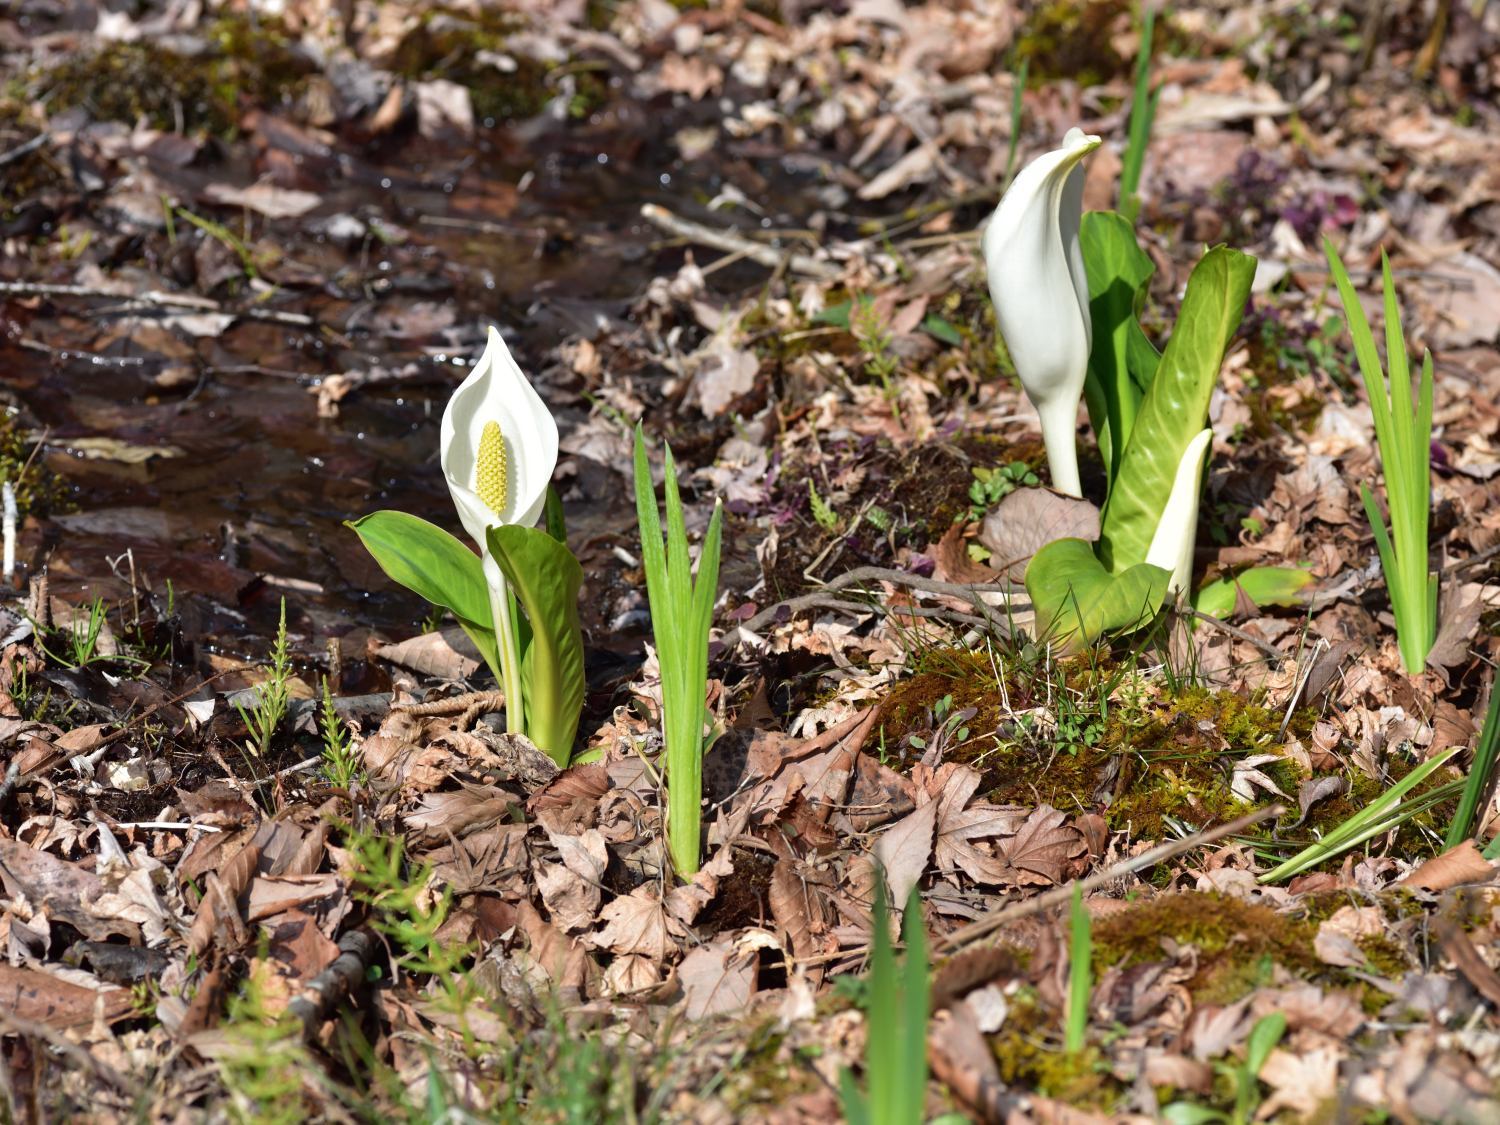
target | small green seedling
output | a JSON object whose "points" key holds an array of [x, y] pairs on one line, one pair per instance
{"points": [[264, 716]]}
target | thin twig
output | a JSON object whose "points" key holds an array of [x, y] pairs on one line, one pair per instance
{"points": [[25, 149], [153, 299], [1274, 654], [733, 243], [864, 574], [998, 919]]}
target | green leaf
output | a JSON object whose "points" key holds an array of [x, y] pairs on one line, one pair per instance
{"points": [[545, 577], [1122, 361], [1077, 600], [937, 327], [1175, 407], [836, 315], [1263, 585], [428, 561]]}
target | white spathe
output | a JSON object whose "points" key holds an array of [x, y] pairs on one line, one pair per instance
{"points": [[1172, 542], [497, 391], [1041, 293]]}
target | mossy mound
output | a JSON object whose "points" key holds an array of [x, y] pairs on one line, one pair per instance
{"points": [[503, 86], [238, 63]]}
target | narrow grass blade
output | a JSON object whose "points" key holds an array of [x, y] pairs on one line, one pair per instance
{"points": [[1142, 114], [1481, 777], [914, 1021], [1403, 432], [1080, 957], [1379, 816]]}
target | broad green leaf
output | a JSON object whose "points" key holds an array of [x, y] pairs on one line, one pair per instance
{"points": [[1122, 360], [428, 561], [545, 577], [1175, 407], [1263, 585], [1077, 600]]}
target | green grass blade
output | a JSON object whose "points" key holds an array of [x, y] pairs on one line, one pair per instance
{"points": [[882, 1045], [1017, 104], [1480, 779], [914, 1023], [1080, 957], [1377, 817], [1142, 113]]}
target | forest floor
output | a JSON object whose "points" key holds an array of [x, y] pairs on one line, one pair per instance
{"points": [[250, 251]]}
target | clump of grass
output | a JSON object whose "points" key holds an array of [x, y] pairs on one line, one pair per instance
{"points": [[681, 613], [1403, 432]]}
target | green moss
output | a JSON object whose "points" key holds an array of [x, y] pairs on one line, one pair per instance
{"points": [[246, 62], [1073, 39], [1238, 942], [457, 47], [1029, 1055]]}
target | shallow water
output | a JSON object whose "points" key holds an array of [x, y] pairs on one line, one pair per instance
{"points": [[217, 479]]}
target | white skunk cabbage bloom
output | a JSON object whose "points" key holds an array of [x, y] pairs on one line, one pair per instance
{"points": [[1172, 542], [1041, 293], [499, 445], [498, 450]]}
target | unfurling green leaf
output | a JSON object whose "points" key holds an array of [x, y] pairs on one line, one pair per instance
{"points": [[1175, 406], [1077, 600], [545, 578]]}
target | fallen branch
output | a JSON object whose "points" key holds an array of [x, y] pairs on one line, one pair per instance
{"points": [[820, 599], [998, 919], [153, 299], [733, 243], [324, 992]]}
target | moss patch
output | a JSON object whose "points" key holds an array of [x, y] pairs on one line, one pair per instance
{"points": [[465, 49], [1237, 942], [243, 63]]}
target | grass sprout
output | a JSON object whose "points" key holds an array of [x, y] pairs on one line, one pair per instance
{"points": [[1403, 431], [681, 613], [1080, 957], [896, 1042], [1142, 114]]}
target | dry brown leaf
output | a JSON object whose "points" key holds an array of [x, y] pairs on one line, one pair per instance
{"points": [[1300, 1081], [1027, 520], [904, 850], [447, 654], [64, 890], [34, 995], [637, 923], [1455, 867], [572, 891], [716, 979], [1337, 940], [1040, 850]]}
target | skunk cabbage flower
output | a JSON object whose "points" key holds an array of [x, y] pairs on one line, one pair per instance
{"points": [[499, 447], [1172, 542], [1041, 293]]}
